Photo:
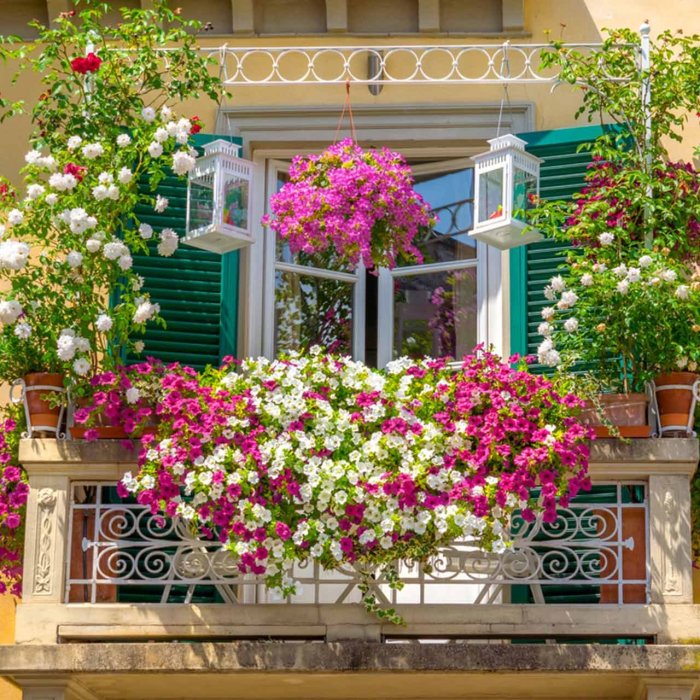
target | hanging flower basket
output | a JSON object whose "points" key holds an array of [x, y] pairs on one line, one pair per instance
{"points": [[360, 203]]}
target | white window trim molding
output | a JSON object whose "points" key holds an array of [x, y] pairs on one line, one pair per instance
{"points": [[417, 130]]}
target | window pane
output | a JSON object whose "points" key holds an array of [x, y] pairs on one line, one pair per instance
{"points": [[435, 314], [451, 197], [312, 311], [491, 194]]}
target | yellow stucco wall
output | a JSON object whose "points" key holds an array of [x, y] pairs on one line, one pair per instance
{"points": [[572, 20], [7, 623]]}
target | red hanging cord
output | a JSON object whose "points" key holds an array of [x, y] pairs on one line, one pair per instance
{"points": [[347, 106]]}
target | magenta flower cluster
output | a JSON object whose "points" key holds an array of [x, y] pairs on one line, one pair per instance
{"points": [[360, 203], [319, 457], [14, 491]]}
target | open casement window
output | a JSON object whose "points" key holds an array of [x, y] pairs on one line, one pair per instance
{"points": [[197, 290], [432, 308], [310, 299], [562, 174]]}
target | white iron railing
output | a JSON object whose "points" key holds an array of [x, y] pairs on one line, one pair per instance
{"points": [[116, 549]]}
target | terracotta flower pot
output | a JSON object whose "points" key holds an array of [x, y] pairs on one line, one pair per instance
{"points": [[627, 412], [106, 430], [675, 400], [42, 416]]}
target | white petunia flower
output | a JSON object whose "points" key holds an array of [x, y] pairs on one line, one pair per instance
{"points": [[73, 142], [571, 325], [606, 238], [81, 366], [10, 311], [155, 150], [148, 114], [23, 330], [133, 395], [145, 231], [125, 176], [183, 162], [104, 323], [123, 140], [93, 150], [161, 204]]}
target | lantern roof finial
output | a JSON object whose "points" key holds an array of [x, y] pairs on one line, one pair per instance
{"points": [[507, 141]]}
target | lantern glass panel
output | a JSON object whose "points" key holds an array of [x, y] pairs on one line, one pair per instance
{"points": [[201, 202], [491, 194], [524, 191], [236, 195]]}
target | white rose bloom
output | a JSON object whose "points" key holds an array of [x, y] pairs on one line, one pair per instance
{"points": [[169, 241], [93, 245], [145, 231], [123, 140], [2, 230], [669, 275], [81, 366], [125, 262], [184, 125], [104, 323], [165, 113], [148, 114], [549, 293], [74, 259], [13, 255], [682, 291], [620, 270], [634, 274], [51, 199], [587, 279], [548, 313], [161, 204], [551, 358], [568, 299], [62, 182], [558, 284], [139, 347], [693, 366], [137, 282], [682, 362], [81, 344], [155, 150], [99, 192], [645, 261], [48, 162], [125, 176], [105, 178], [73, 142], [599, 267], [161, 135], [23, 330], [623, 287], [10, 311], [545, 329], [32, 157], [35, 191], [114, 250], [606, 238], [15, 217], [571, 325], [93, 150], [145, 311], [182, 137], [113, 192], [65, 346], [183, 162], [132, 395]]}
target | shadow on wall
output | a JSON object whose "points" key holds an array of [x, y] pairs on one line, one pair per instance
{"points": [[7, 636]]}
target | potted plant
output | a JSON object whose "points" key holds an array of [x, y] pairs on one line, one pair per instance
{"points": [[358, 203]]}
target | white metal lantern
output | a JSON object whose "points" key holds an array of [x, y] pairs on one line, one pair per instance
{"points": [[219, 199], [507, 181]]}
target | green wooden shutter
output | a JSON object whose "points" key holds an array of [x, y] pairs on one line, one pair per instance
{"points": [[197, 290], [532, 266]]}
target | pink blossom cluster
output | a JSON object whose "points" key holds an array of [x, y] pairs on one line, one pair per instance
{"points": [[319, 457], [14, 491], [360, 203]]}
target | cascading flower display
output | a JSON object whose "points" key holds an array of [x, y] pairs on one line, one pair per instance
{"points": [[359, 202], [316, 456]]}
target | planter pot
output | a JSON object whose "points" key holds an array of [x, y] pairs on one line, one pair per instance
{"points": [[43, 419], [105, 429], [676, 396], [627, 412]]}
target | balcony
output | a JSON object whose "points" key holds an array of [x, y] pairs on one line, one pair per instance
{"points": [[615, 566]]}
